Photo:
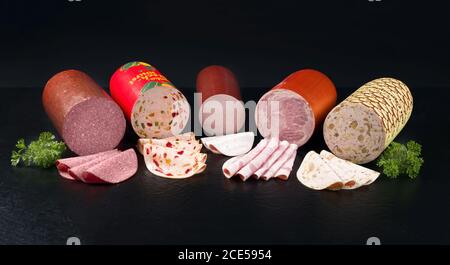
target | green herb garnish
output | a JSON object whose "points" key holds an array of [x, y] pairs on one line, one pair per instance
{"points": [[42, 153], [399, 159]]}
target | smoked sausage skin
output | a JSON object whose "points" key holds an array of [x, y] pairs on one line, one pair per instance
{"points": [[87, 119]]}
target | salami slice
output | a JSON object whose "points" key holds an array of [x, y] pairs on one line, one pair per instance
{"points": [[232, 168], [222, 111], [294, 107], [353, 176], [285, 170], [115, 169], [315, 174], [257, 162], [273, 158], [230, 145], [63, 165], [365, 123], [270, 173], [77, 171], [84, 115], [169, 163]]}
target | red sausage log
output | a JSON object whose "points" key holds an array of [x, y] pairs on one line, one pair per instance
{"points": [[222, 111], [85, 116]]}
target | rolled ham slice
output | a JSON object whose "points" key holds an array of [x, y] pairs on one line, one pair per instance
{"points": [[77, 171], [285, 170], [115, 169], [230, 169], [230, 145], [292, 149], [248, 170], [273, 158], [63, 165]]}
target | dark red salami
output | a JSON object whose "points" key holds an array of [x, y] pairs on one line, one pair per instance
{"points": [[85, 116]]}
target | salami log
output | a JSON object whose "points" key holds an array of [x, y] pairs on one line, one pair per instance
{"points": [[294, 107], [155, 108], [222, 111], [365, 123], [85, 116]]}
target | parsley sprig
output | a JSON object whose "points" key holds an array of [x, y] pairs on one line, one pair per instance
{"points": [[42, 152], [399, 159]]}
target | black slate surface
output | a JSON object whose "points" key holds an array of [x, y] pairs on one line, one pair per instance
{"points": [[39, 207]]}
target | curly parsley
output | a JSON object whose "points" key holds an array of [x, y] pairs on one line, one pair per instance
{"points": [[399, 159], [42, 153]]}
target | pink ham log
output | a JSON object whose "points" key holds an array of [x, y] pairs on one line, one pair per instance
{"points": [[285, 170], [292, 149], [115, 169], [256, 163], [280, 150], [232, 168], [63, 165], [75, 172]]}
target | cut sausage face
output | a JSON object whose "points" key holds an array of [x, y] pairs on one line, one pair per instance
{"points": [[93, 125], [315, 174], [285, 114], [354, 132], [230, 145], [222, 114], [160, 112]]}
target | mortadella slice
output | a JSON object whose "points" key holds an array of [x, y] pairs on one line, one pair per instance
{"points": [[77, 171], [63, 165], [285, 170], [256, 163], [273, 158], [115, 169], [315, 173], [353, 176], [231, 144], [231, 168], [170, 163], [292, 149], [183, 138]]}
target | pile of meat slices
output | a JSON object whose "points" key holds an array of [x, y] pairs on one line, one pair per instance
{"points": [[109, 167], [326, 171], [175, 157], [271, 158]]}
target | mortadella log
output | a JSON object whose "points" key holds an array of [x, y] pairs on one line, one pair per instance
{"points": [[222, 111], [364, 124], [295, 107], [85, 116]]}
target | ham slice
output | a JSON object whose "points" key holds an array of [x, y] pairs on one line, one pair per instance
{"points": [[63, 165], [77, 171], [285, 170], [273, 158], [112, 170], [230, 169], [231, 144], [270, 173], [249, 169]]}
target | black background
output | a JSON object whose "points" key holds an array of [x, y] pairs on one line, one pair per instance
{"points": [[262, 42]]}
